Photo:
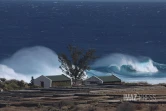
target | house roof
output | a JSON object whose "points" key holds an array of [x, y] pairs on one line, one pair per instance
{"points": [[90, 79], [111, 78], [58, 78]]}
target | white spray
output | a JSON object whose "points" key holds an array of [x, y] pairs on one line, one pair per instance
{"points": [[121, 59], [29, 62]]}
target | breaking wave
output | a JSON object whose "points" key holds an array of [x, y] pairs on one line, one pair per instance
{"points": [[39, 60], [127, 63], [29, 62], [130, 68]]}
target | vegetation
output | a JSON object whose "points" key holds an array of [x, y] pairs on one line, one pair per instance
{"points": [[136, 83], [154, 107], [126, 106], [32, 82], [78, 63], [2, 79], [138, 107], [13, 84], [91, 108]]}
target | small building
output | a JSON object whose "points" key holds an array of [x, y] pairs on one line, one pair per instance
{"points": [[94, 80], [53, 81], [102, 80]]}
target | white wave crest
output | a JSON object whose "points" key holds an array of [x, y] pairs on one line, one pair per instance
{"points": [[122, 59], [6, 72], [29, 62]]}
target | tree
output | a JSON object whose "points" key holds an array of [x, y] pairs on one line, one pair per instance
{"points": [[32, 81], [21, 84], [77, 63], [2, 79]]}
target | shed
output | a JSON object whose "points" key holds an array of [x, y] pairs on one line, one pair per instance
{"points": [[110, 79], [60, 80], [96, 80], [53, 81]]}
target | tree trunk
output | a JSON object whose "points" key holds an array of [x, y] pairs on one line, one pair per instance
{"points": [[75, 81]]}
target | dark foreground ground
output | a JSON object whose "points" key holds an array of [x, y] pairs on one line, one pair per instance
{"points": [[84, 99]]}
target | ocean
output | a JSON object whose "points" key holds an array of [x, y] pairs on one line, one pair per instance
{"points": [[129, 37]]}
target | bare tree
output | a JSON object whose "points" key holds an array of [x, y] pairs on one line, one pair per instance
{"points": [[77, 63]]}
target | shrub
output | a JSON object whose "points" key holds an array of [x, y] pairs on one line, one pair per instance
{"points": [[153, 107], [2, 79], [60, 105], [13, 84], [7, 105], [39, 105], [74, 108], [143, 83], [126, 106], [131, 84], [2, 85], [138, 106], [91, 108], [51, 109]]}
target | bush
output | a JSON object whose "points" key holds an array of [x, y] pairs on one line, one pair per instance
{"points": [[153, 107], [161, 84], [2, 85], [131, 84], [60, 105], [39, 105], [74, 108], [30, 86], [2, 79], [13, 85], [91, 108], [51, 109], [125, 107], [136, 83], [138, 106], [143, 83]]}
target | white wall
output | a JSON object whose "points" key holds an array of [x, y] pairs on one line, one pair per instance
{"points": [[93, 79], [47, 81]]}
